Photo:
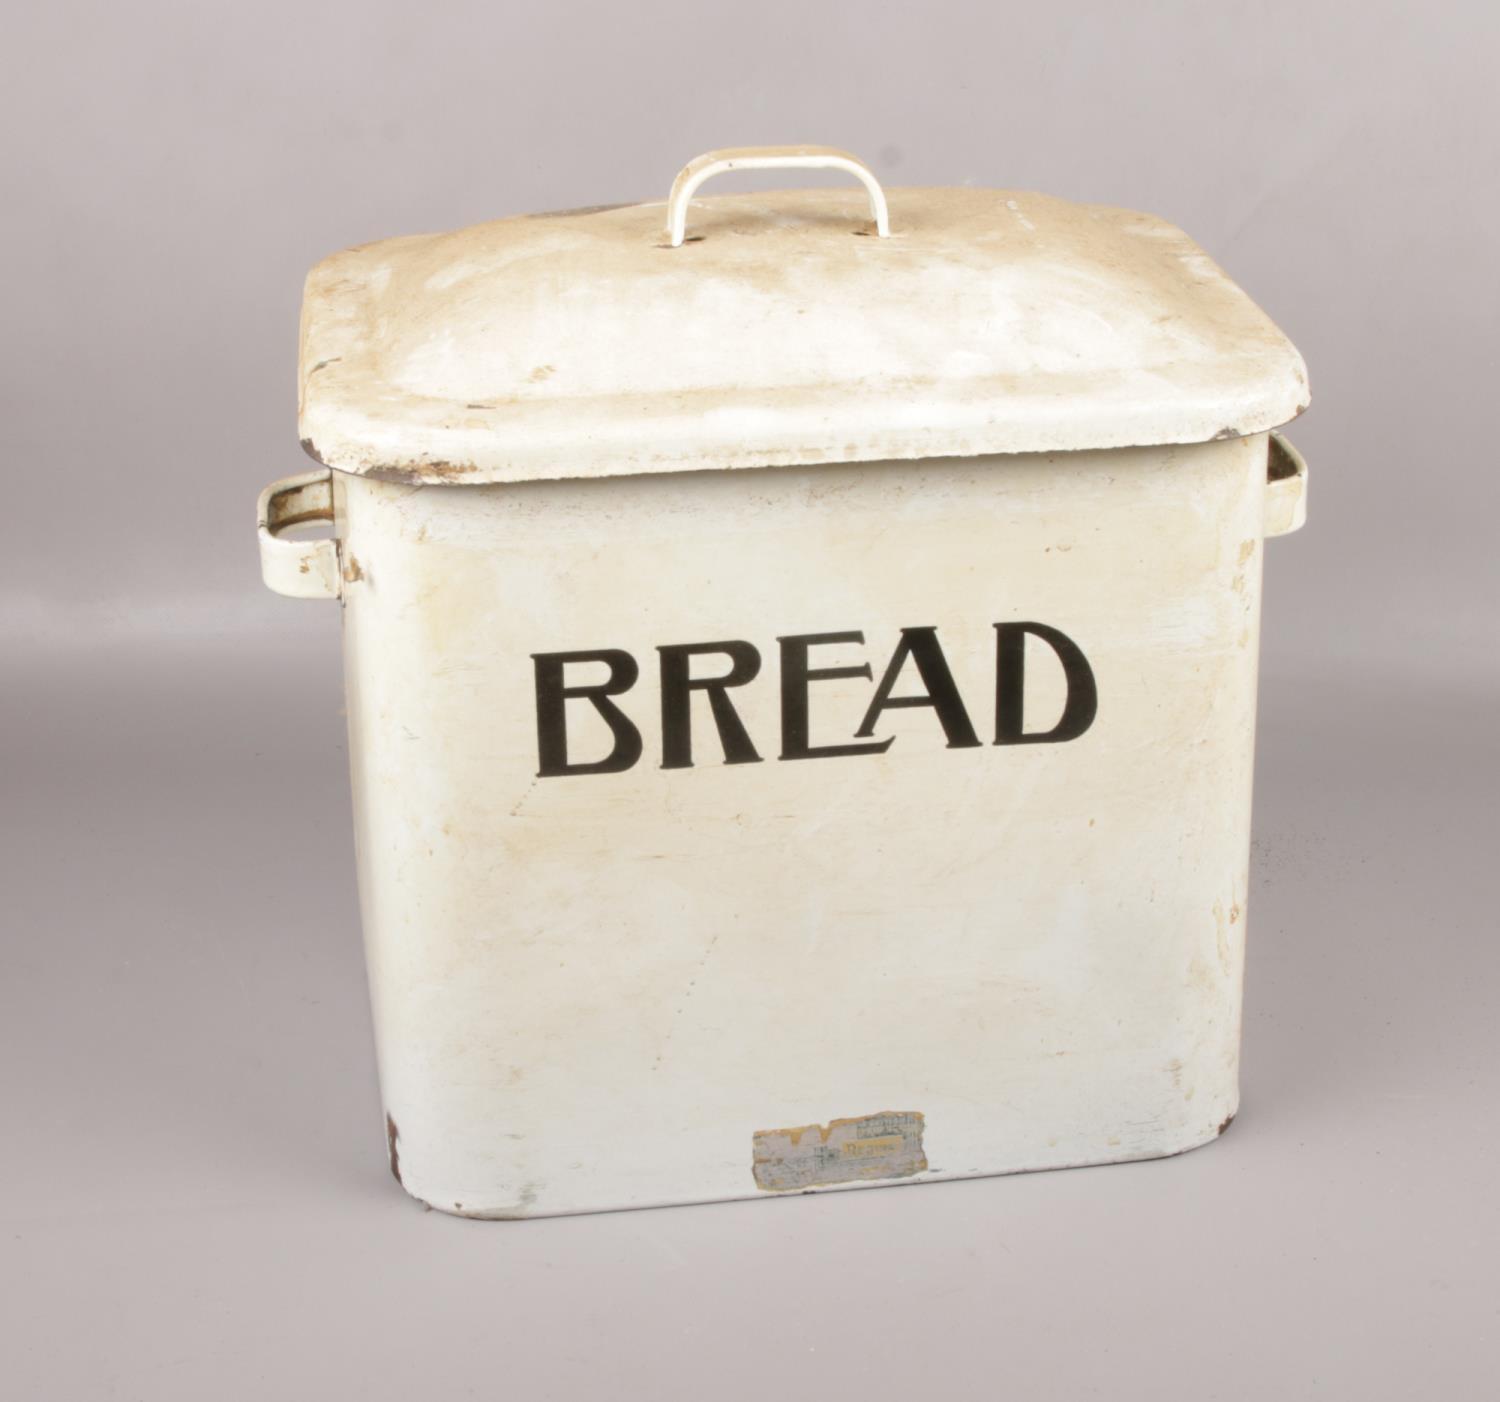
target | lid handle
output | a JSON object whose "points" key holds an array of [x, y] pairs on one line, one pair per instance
{"points": [[711, 163]]}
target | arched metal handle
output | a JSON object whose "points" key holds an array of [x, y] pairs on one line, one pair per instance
{"points": [[695, 172], [1286, 488], [301, 569]]}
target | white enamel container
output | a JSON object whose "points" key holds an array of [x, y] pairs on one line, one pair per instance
{"points": [[801, 685]]}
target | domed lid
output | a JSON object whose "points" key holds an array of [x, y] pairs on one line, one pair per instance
{"points": [[782, 328]]}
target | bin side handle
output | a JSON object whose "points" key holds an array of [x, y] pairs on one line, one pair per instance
{"points": [[712, 163], [300, 569], [1286, 489]]}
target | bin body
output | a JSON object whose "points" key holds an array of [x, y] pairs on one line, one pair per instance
{"points": [[593, 990], [816, 825]]}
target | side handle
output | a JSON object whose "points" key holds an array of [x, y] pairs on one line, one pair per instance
{"points": [[300, 569], [1286, 489]]}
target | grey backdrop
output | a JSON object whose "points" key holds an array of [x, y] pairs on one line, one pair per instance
{"points": [[195, 1196]]}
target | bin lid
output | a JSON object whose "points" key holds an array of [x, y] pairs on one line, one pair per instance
{"points": [[784, 329]]}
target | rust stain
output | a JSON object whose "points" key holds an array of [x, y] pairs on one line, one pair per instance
{"points": [[418, 473], [301, 518], [353, 571], [1228, 1120], [393, 1146]]}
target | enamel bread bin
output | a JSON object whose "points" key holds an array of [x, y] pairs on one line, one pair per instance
{"points": [[801, 666]]}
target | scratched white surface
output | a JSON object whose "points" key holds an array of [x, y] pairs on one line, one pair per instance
{"points": [[590, 991], [990, 321]]}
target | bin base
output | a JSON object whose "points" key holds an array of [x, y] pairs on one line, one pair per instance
{"points": [[511, 1214]]}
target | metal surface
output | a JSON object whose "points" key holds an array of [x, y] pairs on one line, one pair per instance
{"points": [[580, 345], [598, 987], [853, 820]]}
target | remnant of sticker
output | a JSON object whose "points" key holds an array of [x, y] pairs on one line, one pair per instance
{"points": [[885, 1145]]}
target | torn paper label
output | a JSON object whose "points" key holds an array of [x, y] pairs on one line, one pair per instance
{"points": [[884, 1145]]}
